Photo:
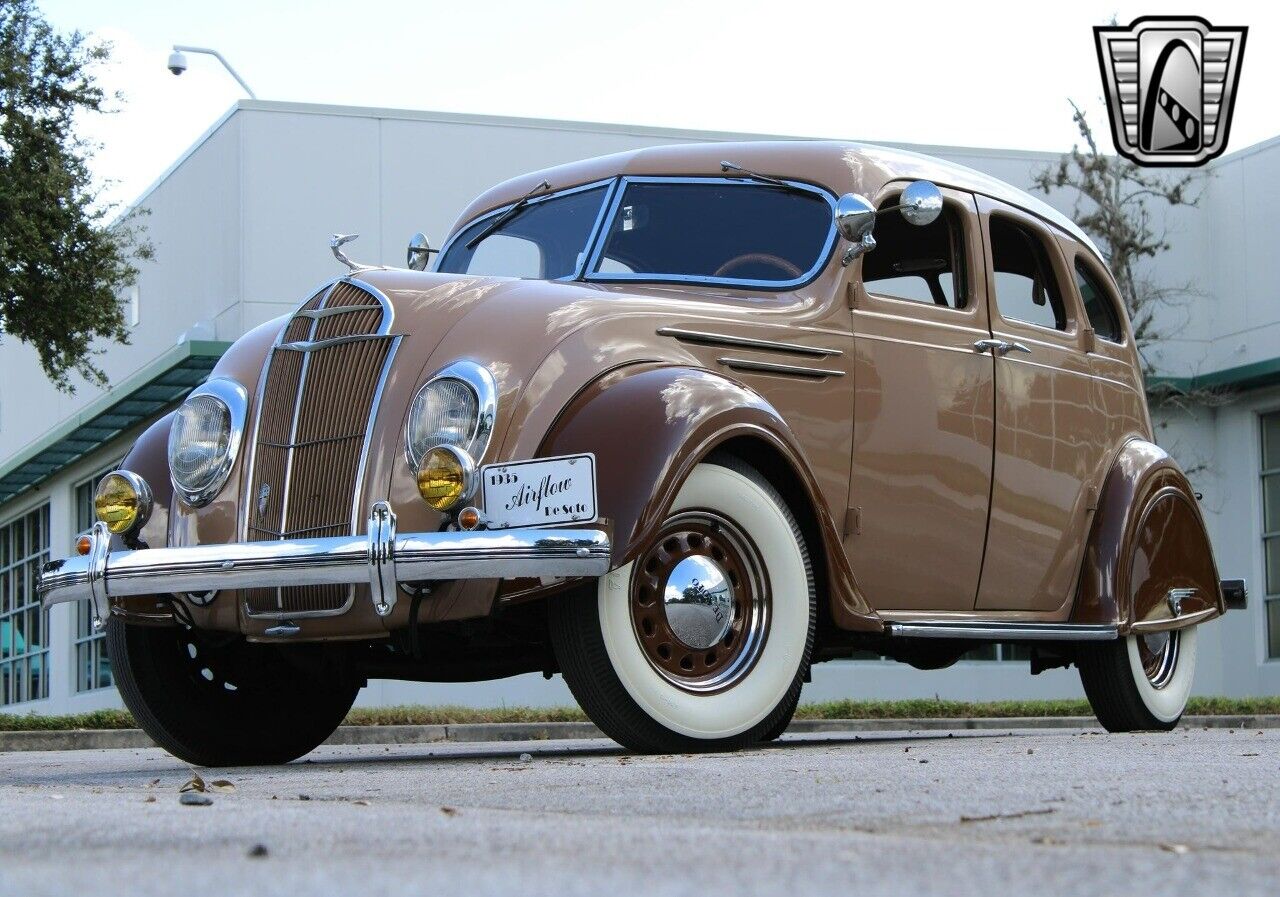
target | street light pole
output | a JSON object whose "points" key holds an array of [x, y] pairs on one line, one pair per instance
{"points": [[178, 64]]}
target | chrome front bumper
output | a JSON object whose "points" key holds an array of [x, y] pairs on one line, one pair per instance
{"points": [[382, 559]]}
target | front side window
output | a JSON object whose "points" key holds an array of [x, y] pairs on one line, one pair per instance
{"points": [[718, 231], [543, 240], [922, 264], [1271, 529], [24, 624], [1026, 288]]}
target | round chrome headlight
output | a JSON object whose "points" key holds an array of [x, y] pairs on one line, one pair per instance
{"points": [[205, 438], [455, 408]]}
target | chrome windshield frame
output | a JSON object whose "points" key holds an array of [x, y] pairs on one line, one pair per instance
{"points": [[610, 185], [590, 275], [615, 189]]}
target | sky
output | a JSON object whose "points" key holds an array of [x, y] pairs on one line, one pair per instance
{"points": [[991, 75]]}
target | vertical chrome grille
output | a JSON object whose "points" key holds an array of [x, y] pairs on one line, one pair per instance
{"points": [[316, 407]]}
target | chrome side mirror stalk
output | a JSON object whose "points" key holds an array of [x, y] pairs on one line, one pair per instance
{"points": [[920, 204], [418, 256]]}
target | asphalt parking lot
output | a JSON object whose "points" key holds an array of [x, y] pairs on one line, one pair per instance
{"points": [[1068, 811]]}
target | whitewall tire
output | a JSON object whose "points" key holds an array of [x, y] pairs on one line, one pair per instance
{"points": [[702, 642], [1140, 682]]}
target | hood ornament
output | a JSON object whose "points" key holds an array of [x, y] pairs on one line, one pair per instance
{"points": [[336, 242]]}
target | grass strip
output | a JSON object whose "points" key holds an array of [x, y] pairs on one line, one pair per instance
{"points": [[924, 708]]}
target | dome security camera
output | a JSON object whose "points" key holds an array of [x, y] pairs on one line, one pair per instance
{"points": [[177, 62]]}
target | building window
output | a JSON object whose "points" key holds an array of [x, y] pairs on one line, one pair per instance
{"points": [[93, 666], [24, 651], [1271, 529]]}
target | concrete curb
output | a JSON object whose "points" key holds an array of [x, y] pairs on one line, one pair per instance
{"points": [[99, 739]]}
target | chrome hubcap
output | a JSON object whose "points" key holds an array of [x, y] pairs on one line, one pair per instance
{"points": [[698, 600], [1159, 654]]}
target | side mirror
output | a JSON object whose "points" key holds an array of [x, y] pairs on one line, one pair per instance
{"points": [[920, 204], [419, 255]]}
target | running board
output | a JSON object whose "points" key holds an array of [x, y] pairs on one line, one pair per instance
{"points": [[1006, 632]]}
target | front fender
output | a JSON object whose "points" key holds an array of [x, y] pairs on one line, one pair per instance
{"points": [[1148, 543], [649, 425]]}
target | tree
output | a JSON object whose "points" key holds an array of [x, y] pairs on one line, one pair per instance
{"points": [[62, 266], [1113, 205]]}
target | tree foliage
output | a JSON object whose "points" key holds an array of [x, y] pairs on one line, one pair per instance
{"points": [[1114, 206], [62, 266]]}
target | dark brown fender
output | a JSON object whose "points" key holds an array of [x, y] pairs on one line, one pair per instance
{"points": [[648, 426], [149, 459], [1147, 539]]}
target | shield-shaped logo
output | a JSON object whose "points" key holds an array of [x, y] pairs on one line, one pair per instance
{"points": [[1171, 86]]}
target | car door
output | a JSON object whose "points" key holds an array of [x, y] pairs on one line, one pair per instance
{"points": [[920, 477], [1047, 427]]}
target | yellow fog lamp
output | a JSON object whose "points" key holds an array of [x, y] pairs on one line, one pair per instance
{"points": [[446, 476], [123, 502]]}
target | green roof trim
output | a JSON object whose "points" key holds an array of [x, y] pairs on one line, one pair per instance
{"points": [[144, 395], [1257, 375]]}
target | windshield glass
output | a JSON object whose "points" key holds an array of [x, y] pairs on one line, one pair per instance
{"points": [[715, 230], [541, 241]]}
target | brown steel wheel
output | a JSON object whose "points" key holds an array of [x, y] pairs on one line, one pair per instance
{"points": [[702, 642]]}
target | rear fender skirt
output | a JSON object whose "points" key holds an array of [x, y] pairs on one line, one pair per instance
{"points": [[1148, 563]]}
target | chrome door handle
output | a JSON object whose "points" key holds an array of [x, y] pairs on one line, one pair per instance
{"points": [[1001, 347]]}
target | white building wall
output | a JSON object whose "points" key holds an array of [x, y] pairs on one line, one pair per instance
{"points": [[241, 223]]}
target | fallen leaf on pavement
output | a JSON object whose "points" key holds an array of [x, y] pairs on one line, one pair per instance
{"points": [[222, 785], [449, 811]]}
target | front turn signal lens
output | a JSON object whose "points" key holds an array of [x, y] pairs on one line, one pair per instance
{"points": [[122, 502], [445, 477]]}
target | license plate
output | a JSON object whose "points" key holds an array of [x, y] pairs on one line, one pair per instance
{"points": [[543, 492]]}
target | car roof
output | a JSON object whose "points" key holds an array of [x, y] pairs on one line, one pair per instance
{"points": [[839, 166]]}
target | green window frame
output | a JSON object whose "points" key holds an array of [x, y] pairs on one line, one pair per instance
{"points": [[24, 624], [1270, 427]]}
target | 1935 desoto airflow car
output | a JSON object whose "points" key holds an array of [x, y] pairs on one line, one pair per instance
{"points": [[676, 423]]}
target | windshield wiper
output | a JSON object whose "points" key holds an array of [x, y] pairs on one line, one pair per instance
{"points": [[762, 178], [507, 215]]}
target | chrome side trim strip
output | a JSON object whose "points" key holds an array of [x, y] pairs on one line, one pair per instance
{"points": [[705, 338], [1013, 632], [769, 367], [1171, 623]]}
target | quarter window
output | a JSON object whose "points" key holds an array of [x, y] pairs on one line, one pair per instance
{"points": [[1271, 529], [24, 625], [1026, 289], [922, 264], [1098, 305]]}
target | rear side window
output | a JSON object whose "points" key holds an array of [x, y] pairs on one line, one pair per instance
{"points": [[1026, 289], [922, 264], [1098, 305]]}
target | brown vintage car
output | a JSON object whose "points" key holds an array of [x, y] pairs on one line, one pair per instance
{"points": [[675, 424]]}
